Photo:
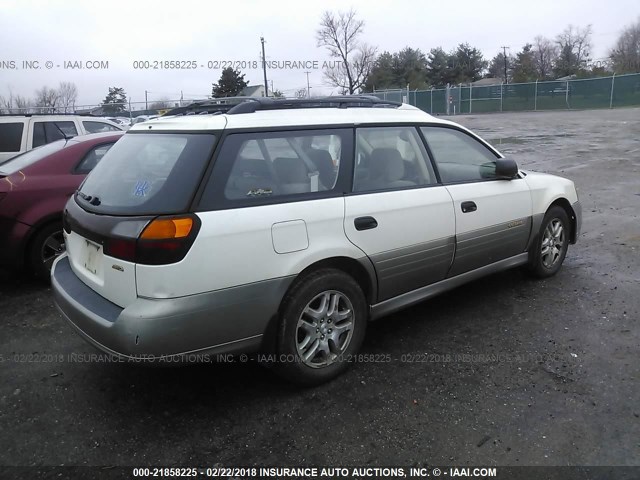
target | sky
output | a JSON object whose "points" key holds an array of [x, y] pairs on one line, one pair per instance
{"points": [[207, 33]]}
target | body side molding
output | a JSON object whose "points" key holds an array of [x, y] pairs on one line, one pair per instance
{"points": [[410, 298]]}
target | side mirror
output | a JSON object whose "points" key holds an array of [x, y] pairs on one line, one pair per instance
{"points": [[506, 168]]}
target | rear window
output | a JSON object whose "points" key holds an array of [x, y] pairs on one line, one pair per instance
{"points": [[147, 174], [11, 136], [29, 158]]}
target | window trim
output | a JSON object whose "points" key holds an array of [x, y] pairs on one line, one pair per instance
{"points": [[220, 202]]}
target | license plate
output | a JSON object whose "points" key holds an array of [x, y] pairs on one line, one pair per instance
{"points": [[94, 255]]}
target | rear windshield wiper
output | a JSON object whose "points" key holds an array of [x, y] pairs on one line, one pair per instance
{"points": [[89, 199]]}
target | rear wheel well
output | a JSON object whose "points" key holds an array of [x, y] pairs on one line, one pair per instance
{"points": [[566, 206], [348, 265]]}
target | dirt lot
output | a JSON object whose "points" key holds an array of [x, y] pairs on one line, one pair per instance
{"points": [[506, 371]]}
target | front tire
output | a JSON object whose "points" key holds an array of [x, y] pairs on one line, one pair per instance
{"points": [[550, 247], [47, 245], [323, 323]]}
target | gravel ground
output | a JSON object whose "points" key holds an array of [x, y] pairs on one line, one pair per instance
{"points": [[505, 371]]}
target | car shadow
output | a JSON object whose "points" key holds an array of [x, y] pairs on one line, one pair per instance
{"points": [[464, 313]]}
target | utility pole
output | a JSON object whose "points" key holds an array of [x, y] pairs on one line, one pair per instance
{"points": [[308, 87], [146, 105], [504, 50], [264, 69]]}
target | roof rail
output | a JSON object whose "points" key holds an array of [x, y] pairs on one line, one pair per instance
{"points": [[53, 114], [237, 105], [208, 106], [341, 101]]}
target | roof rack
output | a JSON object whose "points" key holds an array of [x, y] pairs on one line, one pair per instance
{"points": [[209, 106], [237, 105], [52, 114], [342, 101]]}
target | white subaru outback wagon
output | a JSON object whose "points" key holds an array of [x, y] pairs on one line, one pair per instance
{"points": [[286, 225]]}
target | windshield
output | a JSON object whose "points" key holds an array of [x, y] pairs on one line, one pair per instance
{"points": [[147, 174], [26, 159]]}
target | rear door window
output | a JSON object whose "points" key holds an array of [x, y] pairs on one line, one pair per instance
{"points": [[47, 132], [11, 136], [147, 174]]}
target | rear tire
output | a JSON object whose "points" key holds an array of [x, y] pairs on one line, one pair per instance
{"points": [[322, 325], [46, 246], [550, 246]]}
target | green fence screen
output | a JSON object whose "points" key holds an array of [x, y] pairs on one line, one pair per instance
{"points": [[603, 92]]}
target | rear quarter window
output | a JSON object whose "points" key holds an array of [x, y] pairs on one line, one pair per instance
{"points": [[147, 174], [11, 136]]}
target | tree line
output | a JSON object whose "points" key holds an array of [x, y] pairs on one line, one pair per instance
{"points": [[45, 100], [568, 54], [359, 67]]}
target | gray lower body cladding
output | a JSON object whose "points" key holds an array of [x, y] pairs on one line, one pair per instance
{"points": [[225, 321], [488, 245], [405, 269]]}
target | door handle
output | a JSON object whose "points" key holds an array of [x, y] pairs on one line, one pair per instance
{"points": [[365, 223], [468, 207]]}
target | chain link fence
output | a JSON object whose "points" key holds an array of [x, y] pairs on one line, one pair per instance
{"points": [[603, 92]]}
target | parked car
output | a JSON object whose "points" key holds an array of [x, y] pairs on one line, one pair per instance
{"points": [[21, 133], [123, 122], [34, 188], [143, 118], [284, 226]]}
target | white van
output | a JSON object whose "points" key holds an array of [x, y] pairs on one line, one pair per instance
{"points": [[20, 133]]}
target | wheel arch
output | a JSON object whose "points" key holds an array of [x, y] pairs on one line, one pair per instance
{"points": [[566, 206], [33, 233], [361, 270]]}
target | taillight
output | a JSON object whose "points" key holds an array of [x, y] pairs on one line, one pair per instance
{"points": [[170, 228], [164, 240]]}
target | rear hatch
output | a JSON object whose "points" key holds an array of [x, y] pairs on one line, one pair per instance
{"points": [[133, 208]]}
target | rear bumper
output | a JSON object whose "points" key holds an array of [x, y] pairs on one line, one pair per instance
{"points": [[187, 328]]}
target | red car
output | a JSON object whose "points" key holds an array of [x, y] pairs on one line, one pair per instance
{"points": [[34, 188]]}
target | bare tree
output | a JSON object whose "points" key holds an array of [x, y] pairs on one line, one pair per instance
{"points": [[67, 95], [46, 99], [625, 56], [574, 45], [14, 104], [6, 103], [340, 35], [545, 53]]}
